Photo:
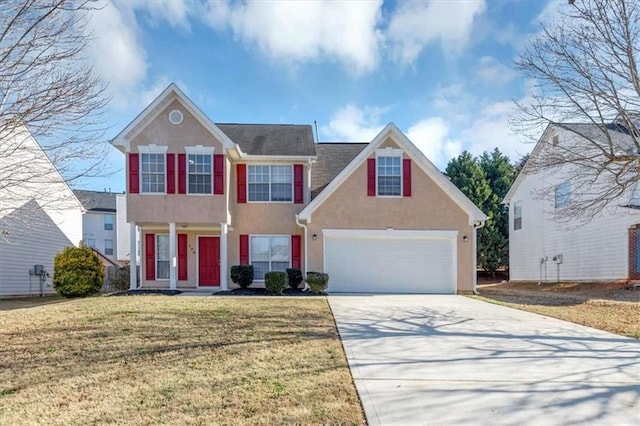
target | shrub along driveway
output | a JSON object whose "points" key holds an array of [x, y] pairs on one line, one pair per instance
{"points": [[454, 360], [174, 360]]}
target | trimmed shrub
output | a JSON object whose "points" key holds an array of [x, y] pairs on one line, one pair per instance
{"points": [[242, 275], [275, 282], [77, 272], [317, 281], [295, 277]]}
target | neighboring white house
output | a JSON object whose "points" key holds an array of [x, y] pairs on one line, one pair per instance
{"points": [[39, 216], [123, 250], [99, 224], [544, 246]]}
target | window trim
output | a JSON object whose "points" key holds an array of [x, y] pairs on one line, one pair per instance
{"points": [[515, 204], [269, 236], [270, 201], [200, 194], [568, 195], [390, 152], [141, 173], [156, 258]]}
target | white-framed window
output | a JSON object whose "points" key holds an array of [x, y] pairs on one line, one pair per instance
{"points": [[199, 172], [389, 175], [270, 183], [90, 242], [517, 215], [108, 247], [152, 171], [269, 253], [108, 222], [563, 195], [162, 256]]}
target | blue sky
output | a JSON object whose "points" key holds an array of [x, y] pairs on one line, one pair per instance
{"points": [[441, 70]]}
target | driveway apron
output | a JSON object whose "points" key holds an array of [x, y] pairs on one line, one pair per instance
{"points": [[435, 359]]}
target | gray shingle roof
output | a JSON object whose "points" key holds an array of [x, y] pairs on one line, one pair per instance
{"points": [[271, 139], [619, 134], [97, 200], [332, 159]]}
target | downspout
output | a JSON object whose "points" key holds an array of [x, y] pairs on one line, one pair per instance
{"points": [[305, 244], [476, 226]]}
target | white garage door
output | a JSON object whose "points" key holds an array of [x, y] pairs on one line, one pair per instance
{"points": [[371, 261]]}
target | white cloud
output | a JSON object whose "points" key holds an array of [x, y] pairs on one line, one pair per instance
{"points": [[295, 32], [415, 24], [493, 72], [174, 12], [352, 124], [432, 137]]}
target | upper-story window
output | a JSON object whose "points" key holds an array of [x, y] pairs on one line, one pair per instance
{"points": [[199, 173], [517, 215], [270, 183], [108, 222], [108, 247], [90, 242], [389, 175], [563, 195], [152, 170]]}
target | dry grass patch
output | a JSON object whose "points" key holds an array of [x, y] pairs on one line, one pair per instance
{"points": [[175, 360], [611, 307]]}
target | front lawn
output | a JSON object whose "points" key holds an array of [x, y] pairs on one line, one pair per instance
{"points": [[613, 307], [174, 360]]}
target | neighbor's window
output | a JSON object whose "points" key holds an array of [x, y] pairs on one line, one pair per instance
{"points": [[389, 175], [90, 242], [108, 247], [153, 173], [270, 183], [563, 195], [199, 173], [517, 215], [162, 256], [108, 222], [269, 253]]}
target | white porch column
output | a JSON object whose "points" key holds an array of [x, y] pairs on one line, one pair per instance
{"points": [[133, 257], [173, 260], [223, 256]]}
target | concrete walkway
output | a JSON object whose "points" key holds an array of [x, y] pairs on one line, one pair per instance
{"points": [[427, 359]]}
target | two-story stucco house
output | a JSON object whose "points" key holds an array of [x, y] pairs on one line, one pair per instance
{"points": [[99, 224], [544, 245], [377, 217]]}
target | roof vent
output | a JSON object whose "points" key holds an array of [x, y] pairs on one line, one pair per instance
{"points": [[176, 117]]}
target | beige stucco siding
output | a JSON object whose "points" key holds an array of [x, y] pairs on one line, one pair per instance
{"points": [[429, 208], [179, 208]]}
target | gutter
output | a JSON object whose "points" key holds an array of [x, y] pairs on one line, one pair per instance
{"points": [[476, 225], [305, 243]]}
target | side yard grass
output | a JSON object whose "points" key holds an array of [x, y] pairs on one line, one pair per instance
{"points": [[175, 360], [613, 307]]}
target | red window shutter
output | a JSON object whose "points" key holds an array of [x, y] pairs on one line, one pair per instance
{"points": [[371, 177], [241, 171], [244, 249], [406, 177], [218, 174], [298, 183], [150, 257], [182, 173], [171, 173], [134, 173], [182, 257], [296, 252]]}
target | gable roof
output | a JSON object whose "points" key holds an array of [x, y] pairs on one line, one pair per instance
{"points": [[332, 159], [96, 201], [595, 132], [392, 131], [172, 92], [271, 139]]}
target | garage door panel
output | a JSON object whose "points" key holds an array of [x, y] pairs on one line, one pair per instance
{"points": [[390, 264]]}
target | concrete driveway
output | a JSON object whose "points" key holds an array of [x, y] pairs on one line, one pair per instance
{"points": [[423, 359]]}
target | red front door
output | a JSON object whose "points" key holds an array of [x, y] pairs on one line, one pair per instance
{"points": [[209, 261]]}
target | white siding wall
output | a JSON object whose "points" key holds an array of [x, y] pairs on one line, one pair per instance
{"points": [[37, 219], [93, 227], [597, 250], [124, 231]]}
